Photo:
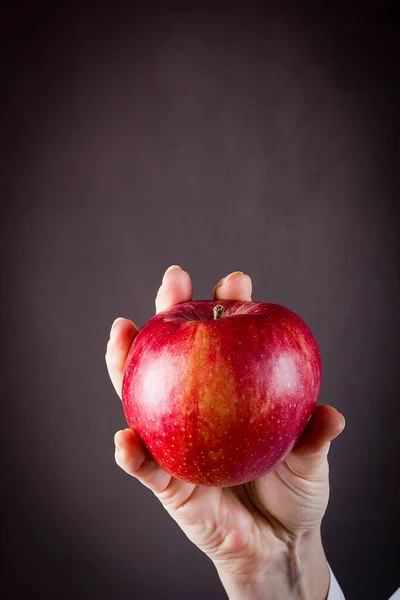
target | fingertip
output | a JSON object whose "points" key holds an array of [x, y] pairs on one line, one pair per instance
{"points": [[122, 334], [343, 421], [176, 268], [176, 287], [121, 324], [121, 338], [117, 320], [324, 426], [339, 426], [118, 439], [123, 437], [235, 286], [331, 419]]}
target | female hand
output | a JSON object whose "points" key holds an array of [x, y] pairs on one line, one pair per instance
{"points": [[263, 536]]}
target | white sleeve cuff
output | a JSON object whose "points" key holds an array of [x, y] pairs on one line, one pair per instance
{"points": [[335, 593]]}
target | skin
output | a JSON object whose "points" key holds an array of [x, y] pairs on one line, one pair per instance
{"points": [[264, 537]]}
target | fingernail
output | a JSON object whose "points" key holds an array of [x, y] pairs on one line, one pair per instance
{"points": [[171, 268], [115, 322], [228, 277], [117, 446], [344, 423], [341, 428]]}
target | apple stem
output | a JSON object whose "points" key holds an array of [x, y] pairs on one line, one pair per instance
{"points": [[218, 311]]}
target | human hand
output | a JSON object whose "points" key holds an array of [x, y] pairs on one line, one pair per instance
{"points": [[263, 536]]}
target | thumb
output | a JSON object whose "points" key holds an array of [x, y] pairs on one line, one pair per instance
{"points": [[311, 451]]}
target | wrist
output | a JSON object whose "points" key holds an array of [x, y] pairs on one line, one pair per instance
{"points": [[300, 572]]}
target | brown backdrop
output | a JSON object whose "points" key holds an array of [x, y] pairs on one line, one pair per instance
{"points": [[229, 138]]}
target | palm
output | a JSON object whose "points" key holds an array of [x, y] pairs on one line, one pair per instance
{"points": [[297, 503], [246, 518], [220, 521]]}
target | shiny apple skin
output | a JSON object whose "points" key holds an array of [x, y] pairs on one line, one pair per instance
{"points": [[221, 402]]}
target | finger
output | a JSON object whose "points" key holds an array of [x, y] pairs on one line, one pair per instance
{"points": [[131, 457], [122, 334], [324, 426], [176, 287], [313, 446], [235, 286]]}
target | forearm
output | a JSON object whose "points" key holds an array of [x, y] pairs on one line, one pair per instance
{"points": [[302, 573]]}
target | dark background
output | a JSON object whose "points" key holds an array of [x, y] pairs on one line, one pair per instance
{"points": [[249, 137]]}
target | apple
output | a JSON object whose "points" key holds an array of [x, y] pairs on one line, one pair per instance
{"points": [[219, 392]]}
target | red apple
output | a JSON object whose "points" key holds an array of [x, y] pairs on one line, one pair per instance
{"points": [[219, 392]]}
